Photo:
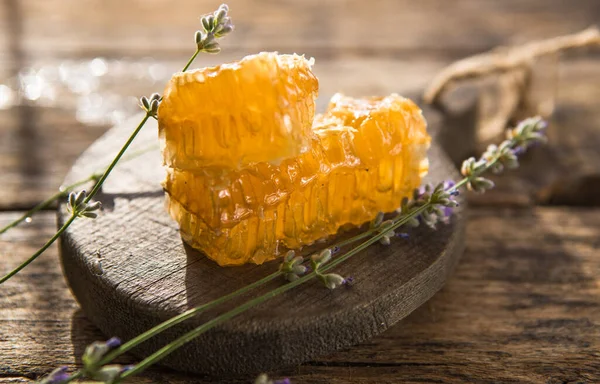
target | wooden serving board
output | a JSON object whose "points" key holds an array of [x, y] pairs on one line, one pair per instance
{"points": [[130, 270]]}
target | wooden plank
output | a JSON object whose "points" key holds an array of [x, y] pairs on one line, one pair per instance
{"points": [[63, 28], [37, 148], [522, 307], [159, 277]]}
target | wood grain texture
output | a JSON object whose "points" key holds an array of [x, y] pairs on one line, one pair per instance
{"points": [[310, 26], [148, 276], [522, 307]]}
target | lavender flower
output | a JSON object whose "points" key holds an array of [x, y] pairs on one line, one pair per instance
{"points": [[96, 351], [292, 266], [527, 133], [109, 373], [321, 258], [332, 280], [113, 342], [215, 25], [59, 375]]}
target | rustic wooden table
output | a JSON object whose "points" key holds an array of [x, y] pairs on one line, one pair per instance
{"points": [[524, 303]]}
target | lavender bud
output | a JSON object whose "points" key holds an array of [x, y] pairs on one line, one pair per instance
{"points": [[145, 103], [467, 166], [79, 197], [262, 379], [95, 352], [205, 24], [220, 14], [537, 137], [108, 373], [376, 222], [224, 29], [291, 277], [386, 225], [323, 257], [412, 222], [299, 269], [332, 280], [289, 255], [71, 202], [154, 107], [418, 193], [296, 260], [113, 342], [89, 215], [211, 21], [385, 240], [96, 205], [443, 201], [448, 211], [212, 47], [57, 376]]}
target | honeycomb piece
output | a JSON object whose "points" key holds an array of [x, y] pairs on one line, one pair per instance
{"points": [[365, 156], [259, 109]]}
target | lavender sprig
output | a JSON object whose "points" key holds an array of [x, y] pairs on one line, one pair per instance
{"points": [[92, 362], [330, 280], [215, 25], [429, 205]]}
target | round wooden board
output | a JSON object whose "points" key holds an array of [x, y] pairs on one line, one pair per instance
{"points": [[130, 270]]}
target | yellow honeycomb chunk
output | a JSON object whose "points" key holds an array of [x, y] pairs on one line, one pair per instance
{"points": [[251, 171], [259, 109], [364, 156]]}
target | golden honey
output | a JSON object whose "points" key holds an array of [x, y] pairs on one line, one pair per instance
{"points": [[359, 158], [229, 116]]}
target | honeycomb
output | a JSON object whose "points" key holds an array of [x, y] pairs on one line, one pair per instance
{"points": [[230, 116], [360, 157]]}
